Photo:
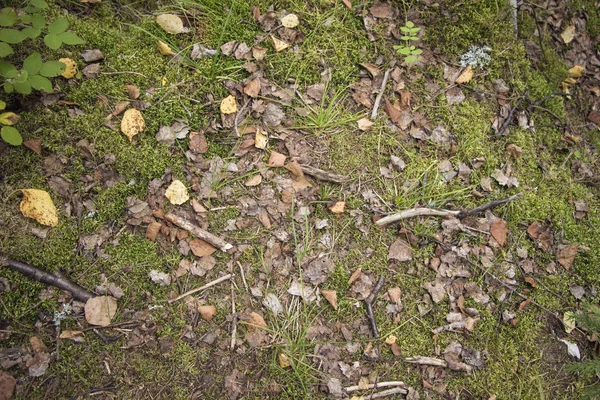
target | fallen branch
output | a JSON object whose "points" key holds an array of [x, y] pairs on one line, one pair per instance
{"points": [[323, 175], [374, 386], [60, 282], [436, 362], [385, 393], [460, 214], [199, 232], [380, 94], [213, 283], [233, 319], [369, 302]]}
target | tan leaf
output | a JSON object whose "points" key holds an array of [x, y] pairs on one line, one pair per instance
{"points": [[276, 159], [120, 107], [498, 232], [171, 23], [400, 251], [229, 105], [259, 52], [252, 89], [132, 123], [338, 207], [100, 310], [256, 321], [76, 336], [530, 280], [295, 168], [38, 205], [331, 297], [576, 71], [7, 385], [34, 145], [347, 4], [290, 21], [9, 118], [198, 143], [284, 360], [566, 255], [200, 248], [568, 34], [300, 184], [391, 339], [279, 44], [71, 68], [254, 180], [261, 139], [132, 91], [569, 321], [372, 68], [355, 275], [465, 76], [392, 110], [37, 344], [177, 193], [165, 49], [364, 124], [514, 150], [152, 230], [207, 312]]}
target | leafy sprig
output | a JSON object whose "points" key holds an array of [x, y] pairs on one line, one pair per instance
{"points": [[410, 52]]}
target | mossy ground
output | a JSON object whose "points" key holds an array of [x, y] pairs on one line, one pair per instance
{"points": [[523, 361]]}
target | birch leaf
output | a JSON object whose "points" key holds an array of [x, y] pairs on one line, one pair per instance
{"points": [[290, 21], [229, 105], [171, 23], [465, 76], [177, 193], [132, 123], [38, 205], [100, 310]]}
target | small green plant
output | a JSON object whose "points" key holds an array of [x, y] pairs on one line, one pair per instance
{"points": [[589, 319], [410, 52], [9, 134]]}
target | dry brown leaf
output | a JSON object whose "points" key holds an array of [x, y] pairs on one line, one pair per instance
{"points": [[70, 69], [523, 305], [120, 107], [530, 280], [276, 159], [279, 44], [465, 76], [338, 207], [259, 52], [331, 297], [514, 150], [400, 251], [347, 4], [355, 275], [177, 193], [132, 91], [295, 168], [290, 21], [165, 49], [498, 232], [392, 110], [254, 180], [207, 312], [200, 248], [256, 321], [364, 124], [566, 255], [568, 34], [7, 385], [37, 344], [100, 310], [261, 139], [38, 205], [76, 336], [132, 123], [371, 68], [34, 145], [229, 105], [152, 230], [253, 87], [171, 23]]}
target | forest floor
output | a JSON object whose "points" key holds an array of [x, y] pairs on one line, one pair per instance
{"points": [[264, 122]]}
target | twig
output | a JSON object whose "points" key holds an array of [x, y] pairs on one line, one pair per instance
{"points": [[213, 283], [374, 386], [323, 175], [236, 121], [123, 72], [233, 318], [513, 14], [436, 362], [510, 117], [125, 323], [243, 275], [389, 392], [199, 232], [369, 302], [386, 76], [78, 292], [416, 212]]}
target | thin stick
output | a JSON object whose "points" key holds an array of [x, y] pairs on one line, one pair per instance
{"points": [[243, 275], [233, 318], [380, 94], [436, 362], [416, 212], [236, 121], [509, 118], [369, 302], [78, 292], [374, 386], [213, 283], [199, 232], [385, 393]]}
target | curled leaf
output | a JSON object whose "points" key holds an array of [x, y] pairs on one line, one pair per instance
{"points": [[165, 49], [38, 205], [207, 312]]}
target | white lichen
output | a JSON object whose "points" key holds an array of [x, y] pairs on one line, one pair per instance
{"points": [[476, 57]]}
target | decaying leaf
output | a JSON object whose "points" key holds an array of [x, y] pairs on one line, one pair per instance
{"points": [[261, 139], [279, 44], [171, 23], [9, 118], [70, 69], [568, 34], [569, 321], [400, 251], [132, 123], [465, 76], [364, 124], [165, 49], [254, 180], [576, 71], [38, 205], [229, 105], [76, 336], [177, 193], [7, 385], [207, 312], [200, 248], [331, 297], [256, 321], [338, 207], [498, 232], [284, 360], [290, 21], [100, 310], [34, 145], [354, 276], [253, 87], [566, 255], [276, 159]]}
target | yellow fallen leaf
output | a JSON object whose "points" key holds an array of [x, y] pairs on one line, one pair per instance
{"points": [[568, 34], [100, 310], [338, 207], [2, 105], [261, 139], [279, 44], [207, 312], [177, 193], [229, 105], [256, 321], [9, 118], [569, 321], [165, 49], [290, 21], [284, 360], [38, 205], [132, 123], [254, 180], [364, 124], [71, 68], [465, 76], [391, 339], [171, 23], [576, 71]]}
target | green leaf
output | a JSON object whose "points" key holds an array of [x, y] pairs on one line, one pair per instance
{"points": [[22, 87], [11, 136], [38, 21], [38, 82], [413, 38], [70, 38], [12, 36], [59, 25], [32, 33], [405, 37], [409, 24], [414, 30], [8, 17], [51, 69], [417, 52], [26, 18], [5, 66], [38, 3], [5, 49], [22, 77], [2, 105], [52, 41], [33, 63], [8, 88], [404, 29], [11, 74], [410, 59], [403, 50]]}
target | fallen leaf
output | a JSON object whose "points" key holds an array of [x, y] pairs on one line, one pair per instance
{"points": [[391, 339], [132, 123], [284, 360], [253, 87], [34, 145], [259, 52], [514, 150], [392, 110], [354, 276], [160, 278], [120, 107], [171, 23], [498, 232], [576, 71], [347, 4], [465, 76], [331, 297], [338, 207], [198, 143], [254, 180], [279, 44], [290, 21], [569, 321], [207, 312], [165, 49], [261, 139], [364, 124], [177, 193], [38, 205], [400, 251], [568, 34], [523, 305], [76, 336], [37, 344], [100, 310], [70, 69], [530, 280], [566, 255], [594, 116], [276, 159], [9, 118], [200, 248], [7, 385], [92, 55], [572, 348], [256, 321], [436, 290], [229, 105]]}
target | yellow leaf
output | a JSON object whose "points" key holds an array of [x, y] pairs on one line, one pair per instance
{"points": [[254, 180], [132, 123], [171, 23], [284, 360], [568, 34], [2, 105], [100, 310], [261, 139], [164, 49], [290, 21], [279, 44], [576, 71], [391, 339], [569, 321], [229, 105], [207, 312], [38, 205], [71, 68], [465, 76], [177, 193], [338, 207], [9, 118]]}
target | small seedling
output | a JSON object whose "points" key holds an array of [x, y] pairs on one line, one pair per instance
{"points": [[410, 52]]}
